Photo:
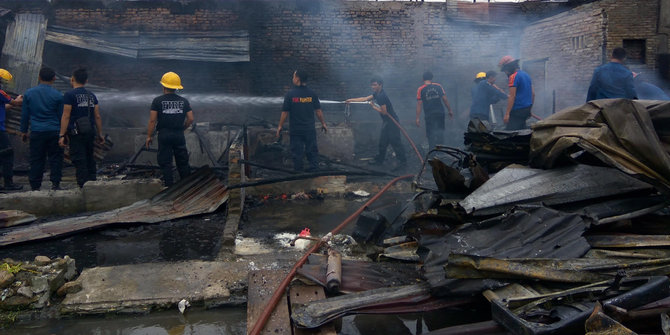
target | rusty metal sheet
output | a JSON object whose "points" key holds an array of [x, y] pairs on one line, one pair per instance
{"points": [[9, 218], [516, 185], [304, 294], [23, 48], [601, 324], [201, 192], [262, 285], [361, 276], [628, 241], [210, 46]]}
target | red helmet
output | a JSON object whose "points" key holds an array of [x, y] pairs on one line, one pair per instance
{"points": [[505, 60]]}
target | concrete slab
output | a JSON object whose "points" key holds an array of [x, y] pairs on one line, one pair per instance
{"points": [[95, 196], [143, 287]]}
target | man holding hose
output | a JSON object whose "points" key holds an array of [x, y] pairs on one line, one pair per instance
{"points": [[390, 134]]}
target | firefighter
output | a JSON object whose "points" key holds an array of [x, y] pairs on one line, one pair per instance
{"points": [[170, 115], [300, 106], [521, 94], [6, 151]]}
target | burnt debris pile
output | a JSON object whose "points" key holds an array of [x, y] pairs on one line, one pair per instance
{"points": [[561, 229]]}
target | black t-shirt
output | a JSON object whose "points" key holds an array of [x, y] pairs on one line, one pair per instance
{"points": [[382, 99], [171, 110], [83, 103], [431, 97], [300, 103]]}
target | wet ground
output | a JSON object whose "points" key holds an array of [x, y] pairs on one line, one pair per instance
{"points": [[198, 238]]}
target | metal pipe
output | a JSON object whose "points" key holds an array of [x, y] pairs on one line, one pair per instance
{"points": [[334, 271], [267, 311]]}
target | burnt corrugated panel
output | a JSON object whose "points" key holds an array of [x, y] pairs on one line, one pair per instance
{"points": [[537, 232], [22, 52], [213, 46], [201, 192]]}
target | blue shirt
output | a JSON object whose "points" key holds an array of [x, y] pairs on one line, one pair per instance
{"points": [[42, 109], [611, 80], [484, 95], [524, 89], [4, 99]]}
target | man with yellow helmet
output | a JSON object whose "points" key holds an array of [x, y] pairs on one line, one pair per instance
{"points": [[170, 115], [6, 151]]}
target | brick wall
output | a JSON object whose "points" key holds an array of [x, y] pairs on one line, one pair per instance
{"points": [[576, 42], [341, 43]]}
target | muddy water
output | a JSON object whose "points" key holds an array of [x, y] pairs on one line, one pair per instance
{"points": [[196, 238], [199, 238]]}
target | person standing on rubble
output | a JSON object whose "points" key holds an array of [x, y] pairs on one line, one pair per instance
{"points": [[430, 96], [79, 125], [170, 115], [390, 133], [612, 80], [485, 94], [300, 106], [42, 109], [521, 94], [6, 150]]}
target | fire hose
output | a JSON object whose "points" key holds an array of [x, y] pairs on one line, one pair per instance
{"points": [[267, 311], [347, 115]]}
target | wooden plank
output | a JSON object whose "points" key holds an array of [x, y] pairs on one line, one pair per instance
{"points": [[302, 295], [262, 285]]}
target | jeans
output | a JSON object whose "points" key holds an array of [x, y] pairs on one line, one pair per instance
{"points": [[7, 158], [390, 135], [304, 143], [435, 129], [43, 146], [81, 155], [171, 142], [517, 118]]}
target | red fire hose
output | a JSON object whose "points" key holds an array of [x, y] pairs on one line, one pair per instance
{"points": [[265, 316]]}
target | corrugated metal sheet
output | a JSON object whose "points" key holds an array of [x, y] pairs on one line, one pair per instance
{"points": [[516, 185], [22, 52], [201, 192], [211, 46]]}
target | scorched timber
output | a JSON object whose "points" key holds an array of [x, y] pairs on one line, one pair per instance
{"points": [[200, 193]]}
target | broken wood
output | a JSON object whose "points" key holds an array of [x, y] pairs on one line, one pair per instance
{"points": [[262, 284]]}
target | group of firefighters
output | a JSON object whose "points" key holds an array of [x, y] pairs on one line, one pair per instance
{"points": [[73, 120], [611, 80], [301, 104]]}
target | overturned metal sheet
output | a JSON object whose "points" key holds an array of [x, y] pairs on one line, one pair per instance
{"points": [[22, 51], [622, 133], [517, 185], [210, 46], [201, 192], [537, 232]]}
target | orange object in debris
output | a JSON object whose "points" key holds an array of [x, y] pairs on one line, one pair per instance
{"points": [[305, 233]]}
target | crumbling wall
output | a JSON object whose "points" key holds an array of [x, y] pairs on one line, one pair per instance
{"points": [[578, 41], [572, 43]]}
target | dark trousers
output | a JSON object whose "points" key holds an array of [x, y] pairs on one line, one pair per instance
{"points": [[7, 158], [435, 130], [171, 142], [81, 154], [43, 146], [390, 135], [517, 118], [304, 144]]}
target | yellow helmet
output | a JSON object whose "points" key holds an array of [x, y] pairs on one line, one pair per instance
{"points": [[480, 75], [4, 74], [171, 80]]}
